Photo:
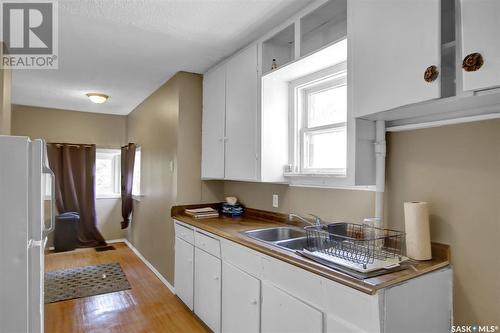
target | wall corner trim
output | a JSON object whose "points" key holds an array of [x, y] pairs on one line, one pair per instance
{"points": [[146, 262]]}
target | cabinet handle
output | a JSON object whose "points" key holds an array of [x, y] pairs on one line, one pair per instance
{"points": [[254, 301], [472, 62], [431, 73], [216, 278]]}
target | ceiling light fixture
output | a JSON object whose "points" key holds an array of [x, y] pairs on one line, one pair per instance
{"points": [[97, 98]]}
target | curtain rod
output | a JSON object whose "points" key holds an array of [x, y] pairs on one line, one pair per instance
{"points": [[83, 145], [88, 145]]}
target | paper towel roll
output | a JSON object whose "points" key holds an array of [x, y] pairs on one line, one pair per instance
{"points": [[418, 236]]}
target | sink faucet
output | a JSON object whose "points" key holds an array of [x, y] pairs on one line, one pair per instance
{"points": [[317, 219]]}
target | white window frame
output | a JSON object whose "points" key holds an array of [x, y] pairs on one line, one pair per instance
{"points": [[330, 77], [115, 156]]}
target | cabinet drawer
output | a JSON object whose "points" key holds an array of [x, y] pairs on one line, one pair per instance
{"points": [[207, 244], [241, 257], [184, 233], [296, 281]]}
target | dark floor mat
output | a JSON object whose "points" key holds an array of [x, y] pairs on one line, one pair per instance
{"points": [[105, 248], [86, 281]]}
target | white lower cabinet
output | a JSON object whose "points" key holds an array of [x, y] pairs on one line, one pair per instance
{"points": [[184, 255], [207, 288], [247, 291], [281, 312], [240, 301]]}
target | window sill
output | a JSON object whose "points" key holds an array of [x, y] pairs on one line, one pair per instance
{"points": [[330, 181], [316, 175], [137, 197], [110, 196]]}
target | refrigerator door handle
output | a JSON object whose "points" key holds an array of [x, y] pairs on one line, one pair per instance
{"points": [[37, 243], [47, 170]]}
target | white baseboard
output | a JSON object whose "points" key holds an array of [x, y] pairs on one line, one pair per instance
{"points": [[111, 241], [150, 266], [118, 240]]}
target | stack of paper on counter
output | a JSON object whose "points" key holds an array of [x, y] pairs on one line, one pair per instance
{"points": [[200, 213]]}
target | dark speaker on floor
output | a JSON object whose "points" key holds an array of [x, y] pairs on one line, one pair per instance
{"points": [[66, 232]]}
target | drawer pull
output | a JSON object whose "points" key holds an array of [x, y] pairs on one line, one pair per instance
{"points": [[472, 62], [431, 74]]}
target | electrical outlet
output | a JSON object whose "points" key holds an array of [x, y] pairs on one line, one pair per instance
{"points": [[275, 200]]}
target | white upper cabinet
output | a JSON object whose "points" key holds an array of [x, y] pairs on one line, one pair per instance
{"points": [[391, 44], [480, 28], [214, 109], [241, 116]]}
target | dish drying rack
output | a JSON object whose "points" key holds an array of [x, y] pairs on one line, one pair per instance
{"points": [[361, 247]]}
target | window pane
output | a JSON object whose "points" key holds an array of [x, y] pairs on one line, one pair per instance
{"points": [[107, 173], [325, 149], [104, 176], [136, 186], [327, 106]]}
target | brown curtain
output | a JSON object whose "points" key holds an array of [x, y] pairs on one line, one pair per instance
{"points": [[128, 159], [74, 167]]}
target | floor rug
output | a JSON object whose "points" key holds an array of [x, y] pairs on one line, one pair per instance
{"points": [[85, 281]]}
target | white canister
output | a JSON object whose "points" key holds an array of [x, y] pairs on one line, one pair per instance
{"points": [[418, 235]]}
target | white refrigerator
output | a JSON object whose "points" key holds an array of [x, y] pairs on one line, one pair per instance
{"points": [[26, 217]]}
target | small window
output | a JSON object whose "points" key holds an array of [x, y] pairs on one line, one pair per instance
{"points": [[320, 123], [108, 173], [136, 187]]}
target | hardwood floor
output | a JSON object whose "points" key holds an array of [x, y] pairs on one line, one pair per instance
{"points": [[148, 307]]}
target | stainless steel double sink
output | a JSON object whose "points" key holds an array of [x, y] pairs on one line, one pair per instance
{"points": [[287, 238]]}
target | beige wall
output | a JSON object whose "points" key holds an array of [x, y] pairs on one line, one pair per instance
{"points": [[327, 203], [55, 125], [5, 94], [167, 126], [456, 169], [77, 127]]}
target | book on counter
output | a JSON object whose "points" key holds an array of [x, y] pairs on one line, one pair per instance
{"points": [[202, 213]]}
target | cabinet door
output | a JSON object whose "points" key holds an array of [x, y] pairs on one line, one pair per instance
{"points": [[390, 45], [282, 312], [480, 29], [207, 289], [214, 109], [184, 271], [241, 116], [240, 301]]}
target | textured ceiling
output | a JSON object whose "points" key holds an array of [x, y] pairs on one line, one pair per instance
{"points": [[128, 48]]}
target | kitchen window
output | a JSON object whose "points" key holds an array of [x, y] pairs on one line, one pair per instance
{"points": [[136, 186], [319, 123], [108, 173]]}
